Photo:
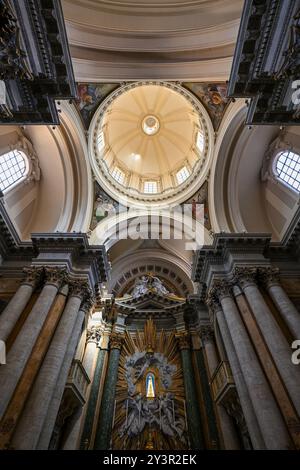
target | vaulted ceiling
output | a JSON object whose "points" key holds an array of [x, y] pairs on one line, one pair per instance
{"points": [[115, 40]]}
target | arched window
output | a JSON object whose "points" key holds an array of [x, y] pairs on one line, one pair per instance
{"points": [[13, 167], [288, 169]]}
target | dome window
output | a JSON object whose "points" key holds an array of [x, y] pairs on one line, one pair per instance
{"points": [[200, 141], [150, 187], [118, 175], [182, 175]]}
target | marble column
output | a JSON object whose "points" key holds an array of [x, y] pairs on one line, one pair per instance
{"points": [[35, 412], [246, 404], [287, 310], [52, 411], [208, 410], [267, 413], [273, 336], [104, 428], [21, 393], [22, 346], [192, 408], [229, 434], [283, 400], [89, 361], [86, 437], [17, 304]]}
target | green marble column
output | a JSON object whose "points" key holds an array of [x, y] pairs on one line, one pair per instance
{"points": [[192, 408], [208, 403], [104, 428], [90, 413]]}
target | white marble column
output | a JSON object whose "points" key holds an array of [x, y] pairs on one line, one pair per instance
{"points": [[242, 390], [229, 434], [16, 305], [52, 411], [274, 337], [286, 308], [33, 417], [22, 347]]}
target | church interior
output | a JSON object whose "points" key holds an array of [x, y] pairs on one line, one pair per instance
{"points": [[149, 225]]}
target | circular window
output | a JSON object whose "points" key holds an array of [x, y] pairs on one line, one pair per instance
{"points": [[151, 143]]}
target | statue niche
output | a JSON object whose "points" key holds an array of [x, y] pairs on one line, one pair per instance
{"points": [[150, 406]]}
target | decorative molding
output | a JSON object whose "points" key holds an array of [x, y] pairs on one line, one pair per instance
{"points": [[13, 63]]}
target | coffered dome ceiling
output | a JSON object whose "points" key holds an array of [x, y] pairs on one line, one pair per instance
{"points": [[151, 143]]}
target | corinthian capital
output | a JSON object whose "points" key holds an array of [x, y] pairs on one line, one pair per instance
{"points": [[207, 333], [245, 275], [55, 275], [269, 276], [116, 340], [220, 290], [33, 275], [94, 334], [183, 340], [80, 288]]}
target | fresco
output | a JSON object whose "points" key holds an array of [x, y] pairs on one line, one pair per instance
{"points": [[213, 96], [90, 95], [201, 197]]}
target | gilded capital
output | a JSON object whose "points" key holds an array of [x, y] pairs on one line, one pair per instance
{"points": [[183, 340], [116, 340]]}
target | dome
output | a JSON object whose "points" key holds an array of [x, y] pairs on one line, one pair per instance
{"points": [[150, 142]]}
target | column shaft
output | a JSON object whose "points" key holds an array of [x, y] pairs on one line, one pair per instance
{"points": [[92, 403], [267, 413], [49, 422], [22, 390], [14, 309], [276, 341], [192, 408], [21, 349], [283, 400], [104, 428], [230, 438], [36, 408], [245, 400], [286, 308]]}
